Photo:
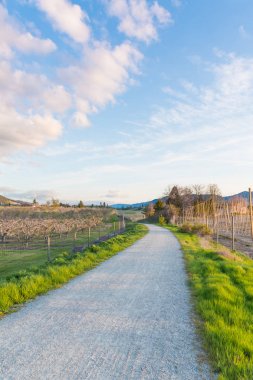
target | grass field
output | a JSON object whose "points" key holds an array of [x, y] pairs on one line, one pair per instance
{"points": [[13, 261], [222, 288], [38, 280], [133, 215]]}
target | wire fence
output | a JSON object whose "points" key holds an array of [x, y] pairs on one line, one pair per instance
{"points": [[33, 251], [231, 221]]}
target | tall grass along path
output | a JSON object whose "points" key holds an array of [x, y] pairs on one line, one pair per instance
{"points": [[129, 318], [221, 283]]}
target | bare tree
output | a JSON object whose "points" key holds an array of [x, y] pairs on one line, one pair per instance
{"points": [[150, 210]]}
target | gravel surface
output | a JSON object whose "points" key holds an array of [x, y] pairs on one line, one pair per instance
{"points": [[129, 318]]}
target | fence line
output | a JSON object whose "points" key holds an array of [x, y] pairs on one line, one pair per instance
{"points": [[53, 244], [224, 219]]}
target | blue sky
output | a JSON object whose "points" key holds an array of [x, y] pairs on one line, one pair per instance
{"points": [[114, 100]]}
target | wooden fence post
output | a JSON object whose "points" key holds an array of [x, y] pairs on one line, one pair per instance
{"points": [[49, 248], [250, 211], [88, 236], [233, 233]]}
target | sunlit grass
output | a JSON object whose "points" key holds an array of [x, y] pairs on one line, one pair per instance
{"points": [[222, 289], [28, 284]]}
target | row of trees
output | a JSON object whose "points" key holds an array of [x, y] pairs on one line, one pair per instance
{"points": [[28, 228], [27, 223], [56, 203], [177, 199]]}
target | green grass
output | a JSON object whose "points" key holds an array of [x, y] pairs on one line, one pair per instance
{"points": [[27, 284], [133, 215], [222, 289], [12, 262]]}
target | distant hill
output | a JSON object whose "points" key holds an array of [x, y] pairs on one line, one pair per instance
{"points": [[6, 201], [10, 202], [243, 194], [120, 206]]}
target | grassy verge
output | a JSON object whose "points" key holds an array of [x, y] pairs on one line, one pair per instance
{"points": [[28, 284], [222, 288]]}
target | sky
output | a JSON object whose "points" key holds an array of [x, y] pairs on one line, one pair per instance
{"points": [[115, 100]]}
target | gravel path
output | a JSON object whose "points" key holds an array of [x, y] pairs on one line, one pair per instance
{"points": [[129, 318]]}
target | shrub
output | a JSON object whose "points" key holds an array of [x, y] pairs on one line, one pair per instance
{"points": [[94, 248], [199, 229], [161, 220], [186, 229]]}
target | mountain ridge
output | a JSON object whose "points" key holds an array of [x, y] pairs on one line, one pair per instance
{"points": [[4, 201], [242, 194]]}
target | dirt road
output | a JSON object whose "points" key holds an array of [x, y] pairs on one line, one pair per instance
{"points": [[129, 318]]}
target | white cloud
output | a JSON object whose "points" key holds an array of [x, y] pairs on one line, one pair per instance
{"points": [[39, 195], [56, 98], [12, 37], [103, 74], [66, 17], [161, 14], [31, 91], [137, 18], [204, 127], [31, 102], [80, 120], [114, 194], [24, 132], [26, 111]]}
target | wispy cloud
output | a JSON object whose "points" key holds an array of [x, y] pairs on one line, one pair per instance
{"points": [[210, 119], [137, 19], [113, 195], [200, 123], [243, 33], [38, 194], [176, 3]]}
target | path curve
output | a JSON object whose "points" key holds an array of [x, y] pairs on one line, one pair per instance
{"points": [[129, 318]]}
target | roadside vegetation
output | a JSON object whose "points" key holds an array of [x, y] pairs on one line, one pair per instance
{"points": [[222, 288], [177, 200], [28, 284]]}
